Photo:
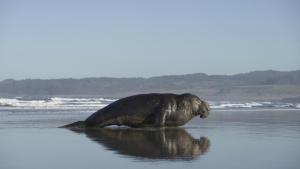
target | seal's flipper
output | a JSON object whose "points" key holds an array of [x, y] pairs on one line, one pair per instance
{"points": [[160, 118], [78, 124]]}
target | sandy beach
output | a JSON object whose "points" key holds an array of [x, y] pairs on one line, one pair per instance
{"points": [[259, 138]]}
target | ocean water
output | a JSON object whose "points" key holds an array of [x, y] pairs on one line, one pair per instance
{"points": [[235, 135], [96, 103]]}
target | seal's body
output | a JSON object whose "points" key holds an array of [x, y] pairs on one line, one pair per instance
{"points": [[149, 110]]}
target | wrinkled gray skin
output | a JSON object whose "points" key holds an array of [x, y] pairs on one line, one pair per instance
{"points": [[148, 110]]}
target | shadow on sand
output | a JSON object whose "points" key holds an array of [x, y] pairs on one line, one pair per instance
{"points": [[167, 144]]}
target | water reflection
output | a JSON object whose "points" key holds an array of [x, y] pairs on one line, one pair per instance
{"points": [[174, 143]]}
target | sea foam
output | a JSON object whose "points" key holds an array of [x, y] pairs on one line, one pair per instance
{"points": [[54, 103]]}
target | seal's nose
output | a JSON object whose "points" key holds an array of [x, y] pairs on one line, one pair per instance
{"points": [[203, 115], [207, 106], [206, 109]]}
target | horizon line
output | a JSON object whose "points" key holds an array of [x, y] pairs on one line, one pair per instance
{"points": [[129, 77]]}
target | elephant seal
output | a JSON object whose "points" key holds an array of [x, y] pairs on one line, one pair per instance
{"points": [[160, 144], [148, 110]]}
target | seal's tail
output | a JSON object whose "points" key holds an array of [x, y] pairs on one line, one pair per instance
{"points": [[78, 124]]}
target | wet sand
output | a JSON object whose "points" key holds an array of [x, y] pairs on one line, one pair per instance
{"points": [[227, 139]]}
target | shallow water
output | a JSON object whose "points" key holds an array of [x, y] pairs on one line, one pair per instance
{"points": [[227, 139]]}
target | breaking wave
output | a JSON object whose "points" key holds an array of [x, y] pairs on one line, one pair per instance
{"points": [[54, 103], [245, 105]]}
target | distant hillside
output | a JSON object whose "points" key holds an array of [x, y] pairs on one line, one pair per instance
{"points": [[257, 85]]}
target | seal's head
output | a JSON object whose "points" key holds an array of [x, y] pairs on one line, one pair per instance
{"points": [[199, 107]]}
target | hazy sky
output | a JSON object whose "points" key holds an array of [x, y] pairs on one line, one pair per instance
{"points": [[125, 38]]}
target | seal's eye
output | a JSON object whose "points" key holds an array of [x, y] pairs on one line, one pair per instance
{"points": [[197, 105]]}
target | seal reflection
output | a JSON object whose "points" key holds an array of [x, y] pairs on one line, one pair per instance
{"points": [[168, 144]]}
